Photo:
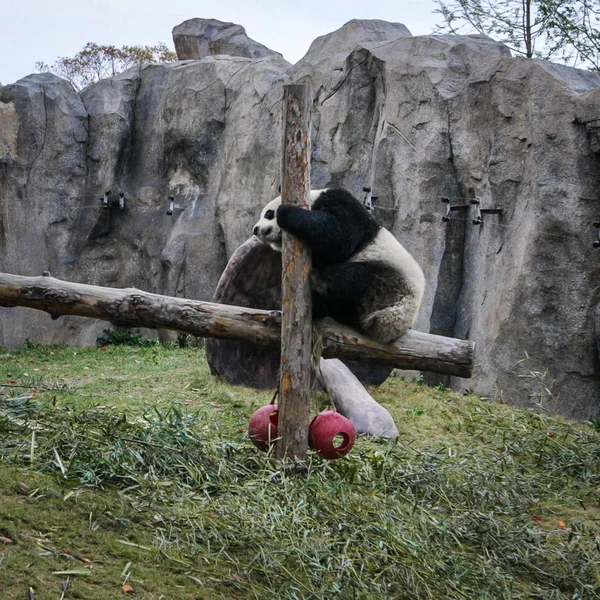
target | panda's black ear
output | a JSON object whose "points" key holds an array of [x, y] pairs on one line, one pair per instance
{"points": [[279, 189]]}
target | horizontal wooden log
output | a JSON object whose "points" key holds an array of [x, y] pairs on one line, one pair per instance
{"points": [[130, 307]]}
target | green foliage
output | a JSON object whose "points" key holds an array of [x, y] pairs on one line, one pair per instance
{"points": [[124, 336], [595, 422], [560, 30], [187, 340], [572, 27], [97, 62], [440, 387], [32, 345]]}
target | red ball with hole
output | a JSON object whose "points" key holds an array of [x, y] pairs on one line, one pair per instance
{"points": [[331, 434], [262, 428]]}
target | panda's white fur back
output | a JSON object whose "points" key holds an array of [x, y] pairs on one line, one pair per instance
{"points": [[385, 248]]}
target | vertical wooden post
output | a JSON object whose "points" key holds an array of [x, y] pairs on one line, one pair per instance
{"points": [[296, 325]]}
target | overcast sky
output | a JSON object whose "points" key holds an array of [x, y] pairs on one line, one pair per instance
{"points": [[32, 30]]}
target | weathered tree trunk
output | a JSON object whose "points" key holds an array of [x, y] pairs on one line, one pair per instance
{"points": [[353, 401], [134, 308], [296, 300], [252, 278]]}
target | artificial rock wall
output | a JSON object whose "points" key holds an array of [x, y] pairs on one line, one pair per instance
{"points": [[415, 118]]}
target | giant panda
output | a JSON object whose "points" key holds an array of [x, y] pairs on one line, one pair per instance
{"points": [[361, 276]]}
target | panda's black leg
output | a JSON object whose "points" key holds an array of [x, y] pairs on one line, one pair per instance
{"points": [[346, 285], [319, 306]]}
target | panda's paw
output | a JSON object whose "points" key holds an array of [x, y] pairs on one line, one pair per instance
{"points": [[297, 221], [294, 219], [284, 213]]}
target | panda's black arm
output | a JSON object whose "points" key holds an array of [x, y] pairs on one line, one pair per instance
{"points": [[310, 226], [320, 230]]}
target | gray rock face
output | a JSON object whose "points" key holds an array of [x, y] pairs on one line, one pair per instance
{"points": [[415, 118], [194, 130], [198, 38], [327, 54]]}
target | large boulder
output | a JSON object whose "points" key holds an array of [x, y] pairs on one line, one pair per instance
{"points": [[327, 54], [413, 118], [204, 132], [198, 38], [530, 283], [43, 162]]}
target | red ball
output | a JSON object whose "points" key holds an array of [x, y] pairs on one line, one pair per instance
{"points": [[262, 428], [331, 434]]}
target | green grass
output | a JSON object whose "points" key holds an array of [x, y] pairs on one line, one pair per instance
{"points": [[131, 466]]}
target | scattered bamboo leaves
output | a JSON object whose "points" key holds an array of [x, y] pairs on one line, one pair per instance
{"points": [[140, 547], [474, 501]]}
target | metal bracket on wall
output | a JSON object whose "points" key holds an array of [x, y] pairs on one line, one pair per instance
{"points": [[478, 220], [173, 206], [368, 199], [596, 244], [105, 199], [450, 208]]}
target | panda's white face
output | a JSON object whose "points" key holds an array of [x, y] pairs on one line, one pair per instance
{"points": [[266, 229]]}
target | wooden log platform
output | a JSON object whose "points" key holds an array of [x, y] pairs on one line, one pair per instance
{"points": [[134, 308]]}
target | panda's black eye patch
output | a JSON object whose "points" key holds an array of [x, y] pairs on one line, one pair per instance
{"points": [[269, 215]]}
